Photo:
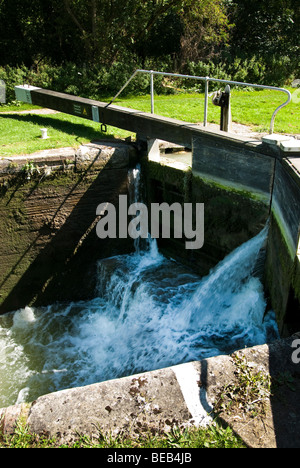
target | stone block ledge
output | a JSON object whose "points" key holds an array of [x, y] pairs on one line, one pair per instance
{"points": [[182, 396], [111, 154]]}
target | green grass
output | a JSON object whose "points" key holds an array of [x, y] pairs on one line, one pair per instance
{"points": [[253, 108], [17, 106], [214, 436], [20, 133]]}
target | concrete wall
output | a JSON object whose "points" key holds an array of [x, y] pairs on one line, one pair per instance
{"points": [[49, 247]]}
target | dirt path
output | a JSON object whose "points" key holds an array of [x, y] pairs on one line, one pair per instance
{"points": [[31, 111]]}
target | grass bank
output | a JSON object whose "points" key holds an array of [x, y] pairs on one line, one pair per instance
{"points": [[253, 108], [20, 133], [215, 436]]}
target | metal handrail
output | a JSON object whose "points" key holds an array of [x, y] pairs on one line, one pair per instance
{"points": [[207, 79]]}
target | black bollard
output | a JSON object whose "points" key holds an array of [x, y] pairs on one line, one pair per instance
{"points": [[222, 99]]}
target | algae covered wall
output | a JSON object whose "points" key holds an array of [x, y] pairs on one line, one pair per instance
{"points": [[231, 216], [243, 187], [232, 179], [49, 247], [282, 272]]}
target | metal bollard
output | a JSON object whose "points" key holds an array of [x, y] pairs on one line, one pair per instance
{"points": [[44, 135], [222, 99]]}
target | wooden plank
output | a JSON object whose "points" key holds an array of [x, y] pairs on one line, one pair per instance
{"points": [[150, 125]]}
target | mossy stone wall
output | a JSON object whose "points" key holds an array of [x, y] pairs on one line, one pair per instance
{"points": [[232, 216], [49, 247]]}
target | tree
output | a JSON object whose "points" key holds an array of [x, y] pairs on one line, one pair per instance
{"points": [[32, 29], [266, 27], [108, 27], [93, 31], [206, 29]]}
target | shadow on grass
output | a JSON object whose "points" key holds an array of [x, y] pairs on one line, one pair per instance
{"points": [[58, 122]]}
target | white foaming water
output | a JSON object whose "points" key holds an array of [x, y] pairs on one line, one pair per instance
{"points": [[149, 313]]}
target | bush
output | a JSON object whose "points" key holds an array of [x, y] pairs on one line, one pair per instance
{"points": [[13, 77], [279, 70], [95, 82], [248, 70], [100, 81], [273, 71]]}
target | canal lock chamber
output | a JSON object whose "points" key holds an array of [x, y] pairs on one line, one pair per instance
{"points": [[120, 307]]}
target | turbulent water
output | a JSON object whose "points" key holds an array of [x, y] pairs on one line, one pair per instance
{"points": [[149, 313]]}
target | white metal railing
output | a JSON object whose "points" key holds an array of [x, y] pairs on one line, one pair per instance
{"points": [[206, 79]]}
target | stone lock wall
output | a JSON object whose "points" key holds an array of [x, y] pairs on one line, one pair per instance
{"points": [[282, 272], [49, 248], [244, 185]]}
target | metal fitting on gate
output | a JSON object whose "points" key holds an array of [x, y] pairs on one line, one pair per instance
{"points": [[221, 98], [217, 98]]}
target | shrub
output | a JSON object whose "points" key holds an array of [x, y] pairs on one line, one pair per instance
{"points": [[102, 81], [13, 77]]}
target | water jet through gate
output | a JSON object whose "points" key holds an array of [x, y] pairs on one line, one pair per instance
{"points": [[149, 312]]}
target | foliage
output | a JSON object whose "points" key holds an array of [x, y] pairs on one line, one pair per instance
{"points": [[269, 27], [80, 46], [103, 31], [206, 29], [30, 170], [92, 48], [248, 394]]}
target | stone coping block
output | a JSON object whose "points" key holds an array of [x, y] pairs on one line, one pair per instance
{"points": [[114, 154]]}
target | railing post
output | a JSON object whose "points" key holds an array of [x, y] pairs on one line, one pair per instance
{"points": [[206, 100], [152, 91]]}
